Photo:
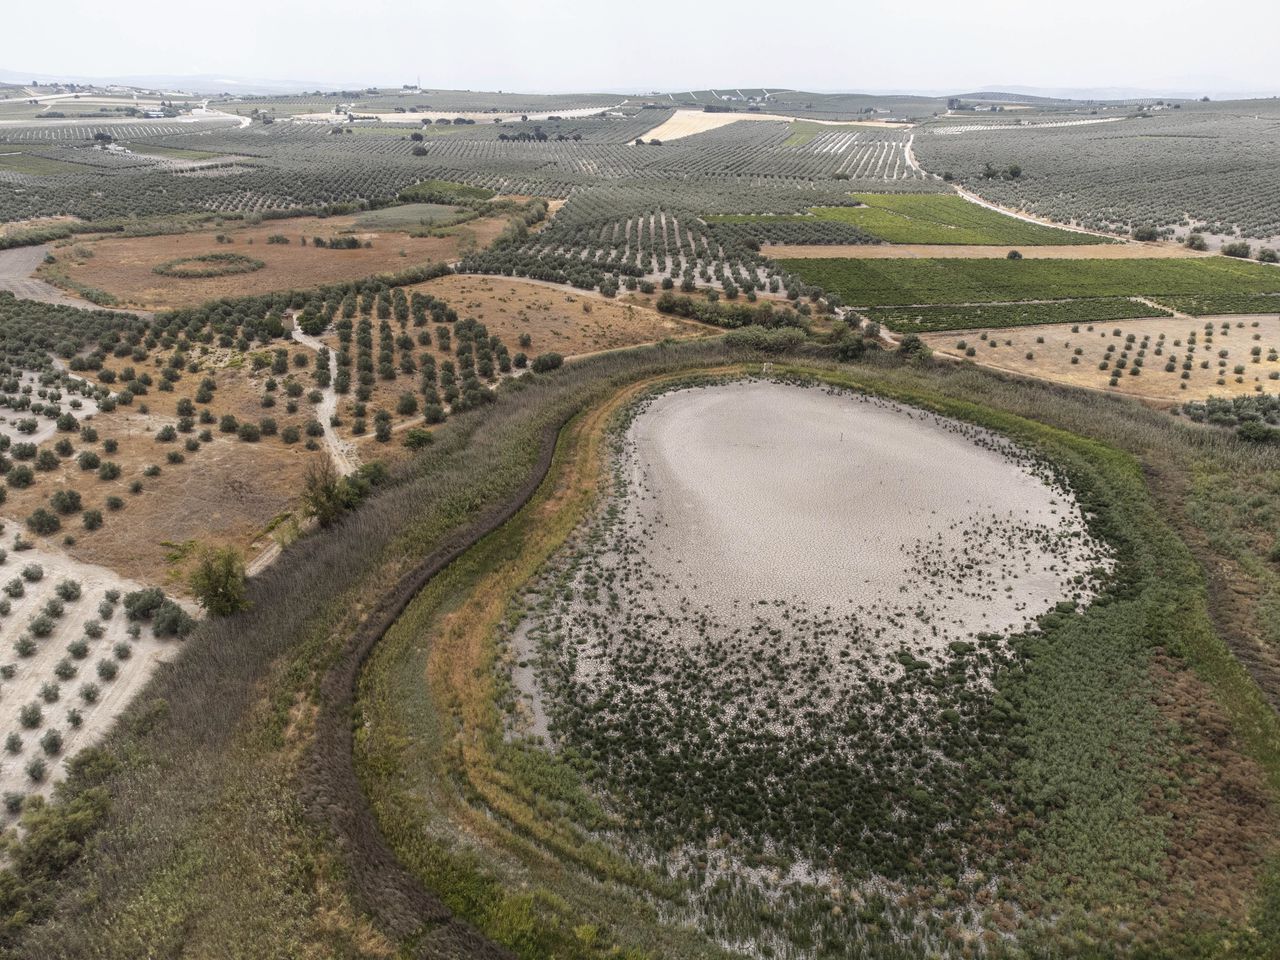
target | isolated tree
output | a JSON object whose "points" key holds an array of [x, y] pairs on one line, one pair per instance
{"points": [[322, 494], [217, 582]]}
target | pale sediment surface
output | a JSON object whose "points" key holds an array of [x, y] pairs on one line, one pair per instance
{"points": [[759, 490], [783, 545], [779, 642]]}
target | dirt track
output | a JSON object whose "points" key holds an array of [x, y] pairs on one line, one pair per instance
{"points": [[16, 268]]}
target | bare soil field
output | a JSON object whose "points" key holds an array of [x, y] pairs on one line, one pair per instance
{"points": [[936, 251], [125, 267], [685, 123], [1204, 365]]}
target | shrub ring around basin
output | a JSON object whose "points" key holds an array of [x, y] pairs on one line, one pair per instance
{"points": [[209, 265]]}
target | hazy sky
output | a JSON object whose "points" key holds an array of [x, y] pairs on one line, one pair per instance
{"points": [[660, 44]]}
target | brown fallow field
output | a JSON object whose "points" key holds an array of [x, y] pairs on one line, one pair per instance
{"points": [[1211, 356], [125, 266], [229, 491]]}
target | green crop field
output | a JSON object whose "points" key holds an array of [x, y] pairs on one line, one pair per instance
{"points": [[943, 218], [888, 282], [32, 165], [932, 319], [802, 132], [1207, 305], [408, 217]]}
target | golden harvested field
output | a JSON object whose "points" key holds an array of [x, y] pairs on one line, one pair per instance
{"points": [[685, 123], [124, 267], [1214, 359], [937, 251]]}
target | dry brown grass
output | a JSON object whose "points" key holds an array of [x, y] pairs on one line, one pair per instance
{"points": [[557, 318], [1051, 360], [124, 266], [1226, 811], [35, 223], [227, 492]]}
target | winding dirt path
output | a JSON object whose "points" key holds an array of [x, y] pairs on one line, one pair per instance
{"points": [[17, 276], [342, 453]]}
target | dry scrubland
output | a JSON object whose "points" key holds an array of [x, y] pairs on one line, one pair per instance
{"points": [[125, 267], [1163, 358], [226, 492]]}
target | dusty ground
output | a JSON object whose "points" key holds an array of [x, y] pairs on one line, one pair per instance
{"points": [[685, 123], [17, 266], [557, 318], [124, 266], [892, 251], [708, 466], [1051, 360], [33, 672], [228, 491], [47, 427]]}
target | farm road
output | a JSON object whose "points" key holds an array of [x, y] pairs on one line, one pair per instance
{"points": [[16, 268]]}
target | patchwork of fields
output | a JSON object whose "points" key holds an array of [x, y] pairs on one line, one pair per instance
{"points": [[665, 527]]}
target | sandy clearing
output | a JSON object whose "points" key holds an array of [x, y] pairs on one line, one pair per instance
{"points": [[33, 672], [341, 453], [939, 251], [1051, 360], [46, 427], [685, 123]]}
